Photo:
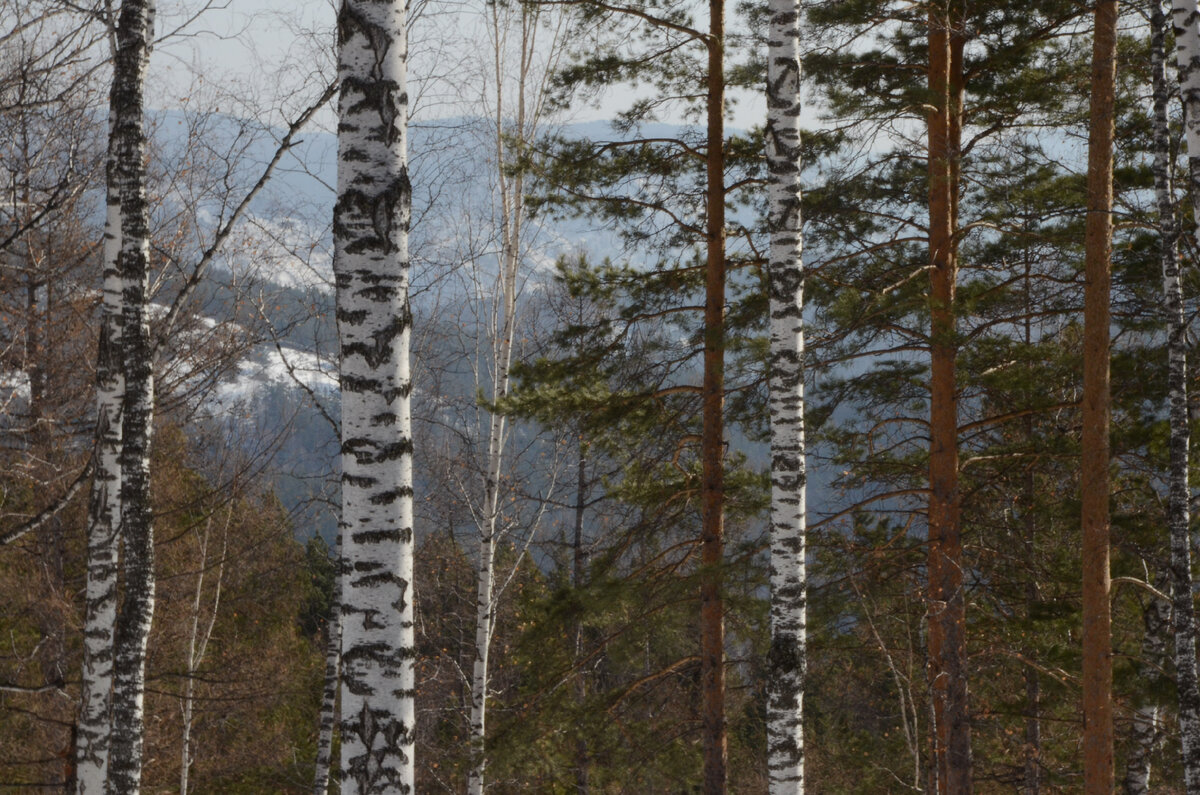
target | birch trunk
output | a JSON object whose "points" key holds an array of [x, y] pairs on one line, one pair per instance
{"points": [[712, 443], [134, 32], [1186, 22], [198, 641], [1097, 627], [1146, 727], [371, 269], [510, 225], [333, 667], [530, 92], [951, 726], [104, 511], [787, 660]]}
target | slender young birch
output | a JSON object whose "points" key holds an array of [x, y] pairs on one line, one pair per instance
{"points": [[522, 115], [198, 639], [1145, 729], [1096, 413], [333, 668], [371, 270], [1186, 21], [787, 661], [134, 31], [104, 511]]}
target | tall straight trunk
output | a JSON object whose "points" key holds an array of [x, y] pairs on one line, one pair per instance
{"points": [[511, 212], [712, 453], [579, 566], [371, 271], [104, 510], [1033, 690], [134, 31], [1097, 627], [951, 730], [198, 639], [1186, 21], [1145, 730], [333, 668], [786, 663]]}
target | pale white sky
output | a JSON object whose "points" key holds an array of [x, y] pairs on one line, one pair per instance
{"points": [[260, 57]]}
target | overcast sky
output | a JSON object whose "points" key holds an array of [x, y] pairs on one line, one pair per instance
{"points": [[256, 57]]}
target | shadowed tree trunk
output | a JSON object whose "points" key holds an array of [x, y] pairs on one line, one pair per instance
{"points": [[1186, 21], [712, 532], [1097, 632]]}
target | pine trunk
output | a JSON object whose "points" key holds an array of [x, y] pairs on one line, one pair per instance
{"points": [[371, 270], [787, 662], [104, 510], [712, 532], [1097, 632], [134, 32], [1186, 20], [333, 668], [951, 730]]}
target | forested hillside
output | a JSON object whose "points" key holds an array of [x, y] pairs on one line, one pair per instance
{"points": [[598, 396]]}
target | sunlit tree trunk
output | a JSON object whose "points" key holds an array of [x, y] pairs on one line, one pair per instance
{"points": [[134, 30], [786, 663], [371, 270], [951, 729], [104, 511], [1186, 21], [1097, 632]]}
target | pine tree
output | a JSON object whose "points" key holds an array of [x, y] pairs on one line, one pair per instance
{"points": [[1097, 629]]}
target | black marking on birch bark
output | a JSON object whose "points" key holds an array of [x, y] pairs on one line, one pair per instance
{"points": [[1184, 619], [402, 535]]}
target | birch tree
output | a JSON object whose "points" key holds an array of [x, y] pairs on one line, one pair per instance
{"points": [[104, 509], [1185, 19], [371, 221], [133, 35], [518, 52], [787, 662], [333, 669]]}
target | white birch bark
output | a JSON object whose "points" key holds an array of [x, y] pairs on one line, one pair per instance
{"points": [[371, 270], [1145, 729], [527, 105], [1186, 21], [134, 31], [104, 512], [786, 663], [198, 640], [333, 667]]}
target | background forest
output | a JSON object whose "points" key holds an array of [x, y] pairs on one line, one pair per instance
{"points": [[562, 158]]}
